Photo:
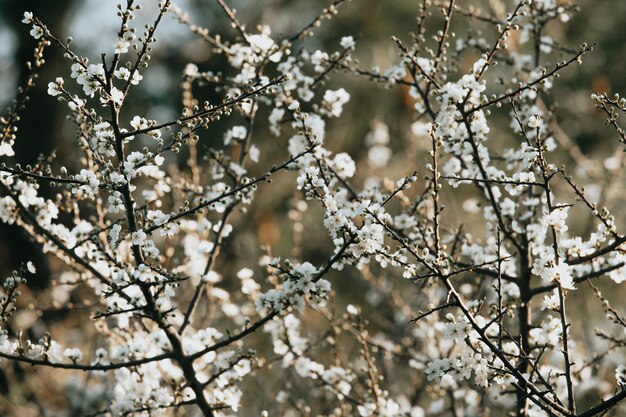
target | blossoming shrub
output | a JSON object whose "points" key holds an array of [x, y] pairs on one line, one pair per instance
{"points": [[443, 321]]}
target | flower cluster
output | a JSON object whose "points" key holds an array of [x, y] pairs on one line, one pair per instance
{"points": [[450, 233]]}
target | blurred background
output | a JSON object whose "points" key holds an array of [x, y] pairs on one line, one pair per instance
{"points": [[93, 25]]}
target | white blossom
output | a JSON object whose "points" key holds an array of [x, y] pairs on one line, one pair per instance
{"points": [[55, 88], [347, 42]]}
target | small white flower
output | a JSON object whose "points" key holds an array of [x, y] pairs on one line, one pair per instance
{"points": [[121, 46], [347, 42], [143, 273], [334, 101], [212, 277], [73, 354], [28, 18], [89, 180], [139, 237], [556, 219], [352, 310], [117, 178], [115, 202], [344, 165], [139, 123], [114, 234], [479, 65], [236, 133], [245, 273], [254, 153], [535, 121], [6, 149], [237, 169], [36, 32], [55, 87], [117, 96], [122, 73]]}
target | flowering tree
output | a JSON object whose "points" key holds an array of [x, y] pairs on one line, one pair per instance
{"points": [[454, 323]]}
